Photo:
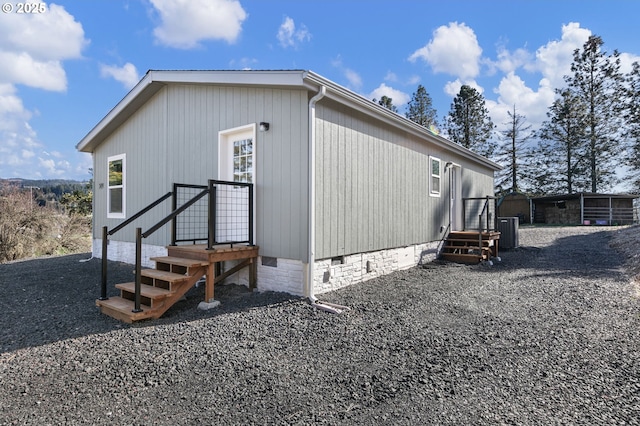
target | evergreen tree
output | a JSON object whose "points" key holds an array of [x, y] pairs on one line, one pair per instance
{"points": [[633, 129], [387, 102], [512, 151], [468, 122], [561, 154], [421, 109], [597, 82]]}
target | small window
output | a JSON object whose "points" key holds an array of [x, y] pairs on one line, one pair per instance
{"points": [[435, 176], [116, 187]]}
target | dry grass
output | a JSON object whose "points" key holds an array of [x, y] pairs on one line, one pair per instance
{"points": [[28, 230]]}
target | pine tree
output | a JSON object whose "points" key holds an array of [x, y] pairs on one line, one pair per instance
{"points": [[386, 102], [512, 151], [468, 122], [597, 82], [421, 109], [633, 128], [561, 154]]}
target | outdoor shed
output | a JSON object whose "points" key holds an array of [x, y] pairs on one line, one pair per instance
{"points": [[338, 189], [585, 208], [515, 204]]}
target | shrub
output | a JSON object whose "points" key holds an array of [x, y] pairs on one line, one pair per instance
{"points": [[29, 230]]}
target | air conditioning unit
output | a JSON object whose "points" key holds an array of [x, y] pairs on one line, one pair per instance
{"points": [[508, 227]]}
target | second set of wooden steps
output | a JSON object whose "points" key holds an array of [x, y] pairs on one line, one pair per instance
{"points": [[470, 247]]}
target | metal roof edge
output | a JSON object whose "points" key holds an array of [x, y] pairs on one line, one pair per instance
{"points": [[576, 195], [92, 138]]}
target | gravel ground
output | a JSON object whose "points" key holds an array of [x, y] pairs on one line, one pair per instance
{"points": [[547, 336]]}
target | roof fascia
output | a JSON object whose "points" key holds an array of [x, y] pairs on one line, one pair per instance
{"points": [[133, 100]]}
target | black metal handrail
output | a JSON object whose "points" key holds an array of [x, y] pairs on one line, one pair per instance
{"points": [[141, 213], [172, 217], [105, 240], [445, 235], [140, 235], [174, 214]]}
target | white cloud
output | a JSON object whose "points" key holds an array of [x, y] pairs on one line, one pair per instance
{"points": [[626, 62], [353, 78], [290, 36], [529, 103], [554, 59], [414, 79], [33, 48], [243, 63], [511, 61], [53, 35], [398, 97], [453, 50], [355, 81], [452, 88], [186, 23], [126, 74]]}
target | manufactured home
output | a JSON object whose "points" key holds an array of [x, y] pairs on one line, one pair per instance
{"points": [[290, 181]]}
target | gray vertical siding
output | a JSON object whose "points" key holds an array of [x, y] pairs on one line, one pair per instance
{"points": [[372, 181], [174, 138], [372, 185]]}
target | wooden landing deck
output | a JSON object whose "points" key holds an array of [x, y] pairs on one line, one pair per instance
{"points": [[248, 255]]}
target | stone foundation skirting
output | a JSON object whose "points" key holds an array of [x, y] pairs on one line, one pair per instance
{"points": [[287, 275]]}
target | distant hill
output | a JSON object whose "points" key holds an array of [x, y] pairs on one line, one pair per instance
{"points": [[47, 190], [21, 183]]}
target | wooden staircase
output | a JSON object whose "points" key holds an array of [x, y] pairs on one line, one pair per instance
{"points": [[470, 247], [160, 289]]}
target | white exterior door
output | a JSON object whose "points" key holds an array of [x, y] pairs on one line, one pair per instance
{"points": [[236, 159]]}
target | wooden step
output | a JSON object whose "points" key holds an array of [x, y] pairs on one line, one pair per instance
{"points": [[462, 258], [469, 235], [149, 295], [178, 265], [466, 240], [162, 279], [453, 249], [145, 290], [180, 261], [122, 309]]}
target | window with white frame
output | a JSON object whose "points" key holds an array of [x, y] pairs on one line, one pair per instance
{"points": [[116, 187], [435, 174]]}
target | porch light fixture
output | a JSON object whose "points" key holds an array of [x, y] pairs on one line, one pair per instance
{"points": [[264, 126]]}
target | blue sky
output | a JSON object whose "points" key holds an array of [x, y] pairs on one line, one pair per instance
{"points": [[63, 69]]}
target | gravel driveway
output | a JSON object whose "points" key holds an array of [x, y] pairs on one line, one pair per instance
{"points": [[550, 335]]}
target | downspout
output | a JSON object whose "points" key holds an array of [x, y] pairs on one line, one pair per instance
{"points": [[309, 292]]}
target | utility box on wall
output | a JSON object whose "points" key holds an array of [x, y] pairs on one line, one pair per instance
{"points": [[508, 227]]}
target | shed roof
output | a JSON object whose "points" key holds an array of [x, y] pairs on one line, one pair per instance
{"points": [[578, 195], [155, 80]]}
